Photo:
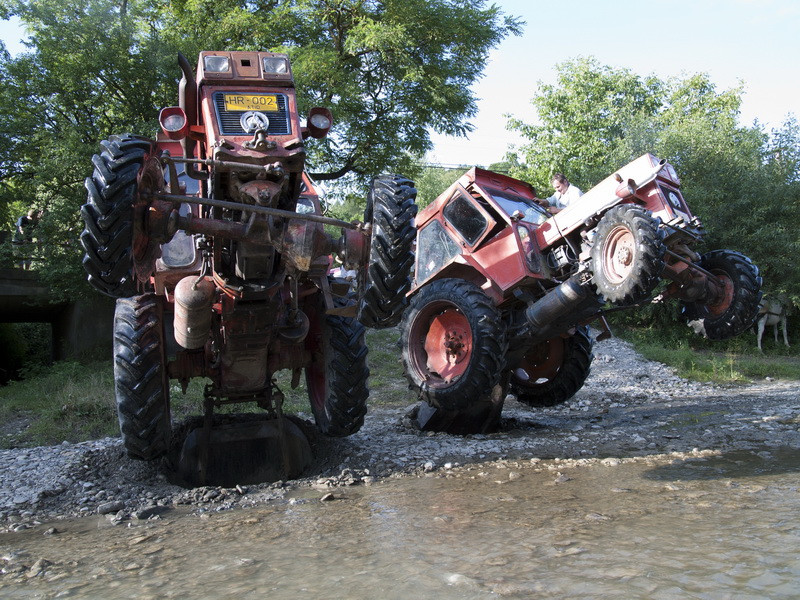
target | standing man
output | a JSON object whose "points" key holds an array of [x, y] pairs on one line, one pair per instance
{"points": [[566, 193]]}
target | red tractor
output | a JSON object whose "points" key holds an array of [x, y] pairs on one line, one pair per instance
{"points": [[213, 232], [503, 291]]}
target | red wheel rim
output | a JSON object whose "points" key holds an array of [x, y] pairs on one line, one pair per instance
{"points": [[543, 362], [618, 253], [724, 297], [440, 344], [448, 344]]}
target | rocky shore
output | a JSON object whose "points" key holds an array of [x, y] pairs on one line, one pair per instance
{"points": [[629, 407]]}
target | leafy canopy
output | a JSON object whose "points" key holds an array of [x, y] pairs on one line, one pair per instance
{"points": [[742, 182], [390, 70]]}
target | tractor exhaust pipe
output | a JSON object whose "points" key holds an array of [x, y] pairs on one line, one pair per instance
{"points": [[187, 100], [193, 299], [560, 309]]}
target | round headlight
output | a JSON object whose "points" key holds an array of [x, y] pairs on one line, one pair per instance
{"points": [[320, 120], [173, 122]]}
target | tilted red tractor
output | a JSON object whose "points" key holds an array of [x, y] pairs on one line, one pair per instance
{"points": [[214, 228], [503, 291]]}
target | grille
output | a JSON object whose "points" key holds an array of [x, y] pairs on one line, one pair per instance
{"points": [[229, 124]]}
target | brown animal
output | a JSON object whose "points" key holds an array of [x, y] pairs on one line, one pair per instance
{"points": [[771, 312]]}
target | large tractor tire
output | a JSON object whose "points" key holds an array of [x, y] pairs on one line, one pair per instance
{"points": [[454, 344], [627, 255], [552, 372], [383, 285], [108, 215], [337, 376], [736, 308], [141, 382]]}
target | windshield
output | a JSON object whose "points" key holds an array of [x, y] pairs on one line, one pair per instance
{"points": [[531, 212]]}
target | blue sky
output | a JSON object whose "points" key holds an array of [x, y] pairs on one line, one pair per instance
{"points": [[755, 42]]}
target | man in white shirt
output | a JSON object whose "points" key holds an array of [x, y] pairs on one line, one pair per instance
{"points": [[566, 193]]}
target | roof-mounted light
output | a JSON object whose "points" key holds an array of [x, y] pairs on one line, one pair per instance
{"points": [[216, 64], [275, 65]]}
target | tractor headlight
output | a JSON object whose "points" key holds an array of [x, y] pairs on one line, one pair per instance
{"points": [[173, 122], [320, 121], [275, 65], [216, 64]]}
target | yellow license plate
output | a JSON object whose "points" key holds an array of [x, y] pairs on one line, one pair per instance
{"points": [[251, 102]]}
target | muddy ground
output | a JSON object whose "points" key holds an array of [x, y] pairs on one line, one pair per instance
{"points": [[629, 407]]}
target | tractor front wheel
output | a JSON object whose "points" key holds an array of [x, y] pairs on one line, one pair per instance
{"points": [[553, 371], [337, 376], [141, 383], [454, 344], [384, 281], [735, 306], [108, 214], [627, 255]]}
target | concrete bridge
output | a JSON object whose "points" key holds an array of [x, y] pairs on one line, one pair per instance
{"points": [[78, 327]]}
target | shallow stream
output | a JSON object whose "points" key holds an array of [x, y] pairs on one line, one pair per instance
{"points": [[706, 526]]}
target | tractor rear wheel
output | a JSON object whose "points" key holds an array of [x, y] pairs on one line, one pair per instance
{"points": [[627, 255], [552, 372], [108, 214], [736, 307], [141, 382], [337, 376], [454, 344], [384, 282]]}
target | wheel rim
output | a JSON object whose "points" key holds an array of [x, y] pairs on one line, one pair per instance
{"points": [[444, 344], [541, 364], [618, 254], [725, 294]]}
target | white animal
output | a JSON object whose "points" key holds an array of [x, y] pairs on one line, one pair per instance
{"points": [[771, 312]]}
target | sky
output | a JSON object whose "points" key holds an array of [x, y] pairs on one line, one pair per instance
{"points": [[752, 42]]}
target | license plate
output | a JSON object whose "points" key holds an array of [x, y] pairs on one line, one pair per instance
{"points": [[251, 102]]}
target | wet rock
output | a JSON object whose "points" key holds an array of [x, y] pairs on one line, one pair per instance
{"points": [[460, 580], [150, 511], [110, 507], [38, 568]]}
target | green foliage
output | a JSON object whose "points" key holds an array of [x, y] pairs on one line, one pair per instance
{"points": [[390, 71], [432, 181], [734, 361], [582, 118], [75, 401], [741, 181]]}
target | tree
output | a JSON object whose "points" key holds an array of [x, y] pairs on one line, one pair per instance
{"points": [[582, 119], [434, 180], [742, 182], [391, 70]]}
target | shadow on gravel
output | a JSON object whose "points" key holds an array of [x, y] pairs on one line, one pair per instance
{"points": [[730, 465]]}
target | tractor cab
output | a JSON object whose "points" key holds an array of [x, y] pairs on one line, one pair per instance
{"points": [[481, 228]]}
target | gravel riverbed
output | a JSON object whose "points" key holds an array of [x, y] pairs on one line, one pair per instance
{"points": [[629, 407]]}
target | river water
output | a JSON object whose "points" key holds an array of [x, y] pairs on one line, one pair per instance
{"points": [[706, 526]]}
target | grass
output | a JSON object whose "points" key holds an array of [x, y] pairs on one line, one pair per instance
{"points": [[73, 401], [734, 361]]}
